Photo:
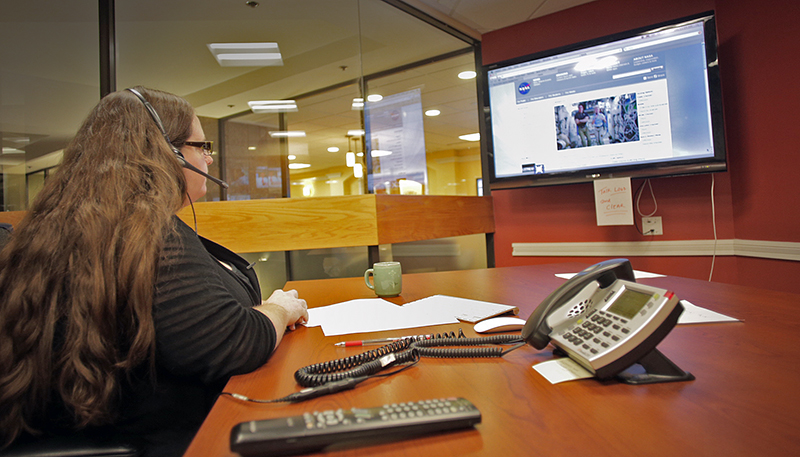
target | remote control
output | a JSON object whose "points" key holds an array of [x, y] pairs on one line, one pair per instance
{"points": [[318, 430]]}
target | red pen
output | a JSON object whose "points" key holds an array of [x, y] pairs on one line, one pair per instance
{"points": [[377, 341], [365, 342]]}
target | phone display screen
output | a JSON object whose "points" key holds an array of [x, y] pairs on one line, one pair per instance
{"points": [[628, 303]]}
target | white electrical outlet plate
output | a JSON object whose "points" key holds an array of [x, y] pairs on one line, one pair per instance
{"points": [[652, 226]]}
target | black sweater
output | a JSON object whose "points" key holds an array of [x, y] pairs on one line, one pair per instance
{"points": [[206, 331]]}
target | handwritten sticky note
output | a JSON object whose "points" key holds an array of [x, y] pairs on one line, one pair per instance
{"points": [[613, 201]]}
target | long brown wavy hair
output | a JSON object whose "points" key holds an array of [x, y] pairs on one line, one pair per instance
{"points": [[78, 275]]}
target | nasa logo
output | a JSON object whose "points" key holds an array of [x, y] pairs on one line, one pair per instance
{"points": [[524, 88]]}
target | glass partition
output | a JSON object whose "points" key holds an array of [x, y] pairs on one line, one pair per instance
{"points": [[435, 107], [253, 159], [337, 57], [49, 80]]}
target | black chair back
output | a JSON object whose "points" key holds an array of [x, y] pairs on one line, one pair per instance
{"points": [[75, 445], [5, 233]]}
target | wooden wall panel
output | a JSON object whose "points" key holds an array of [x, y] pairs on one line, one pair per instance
{"points": [[292, 224], [404, 218], [287, 224], [12, 217]]}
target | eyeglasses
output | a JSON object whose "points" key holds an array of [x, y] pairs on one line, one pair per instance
{"points": [[206, 146]]}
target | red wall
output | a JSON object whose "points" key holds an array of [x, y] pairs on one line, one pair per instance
{"points": [[756, 199]]}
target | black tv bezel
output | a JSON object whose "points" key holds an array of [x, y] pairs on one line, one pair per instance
{"points": [[717, 163]]}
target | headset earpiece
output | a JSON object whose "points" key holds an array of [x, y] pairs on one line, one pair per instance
{"points": [[178, 154]]}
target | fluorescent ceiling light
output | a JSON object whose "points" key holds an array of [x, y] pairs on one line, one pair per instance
{"points": [[272, 106], [433, 112], [12, 151], [358, 103], [298, 166], [470, 137], [246, 54], [287, 134], [357, 132], [467, 74]]}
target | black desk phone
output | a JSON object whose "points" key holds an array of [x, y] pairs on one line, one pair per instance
{"points": [[609, 324]]}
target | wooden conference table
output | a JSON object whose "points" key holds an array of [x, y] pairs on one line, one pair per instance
{"points": [[744, 402]]}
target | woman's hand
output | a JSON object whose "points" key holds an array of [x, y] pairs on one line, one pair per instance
{"points": [[284, 309]]}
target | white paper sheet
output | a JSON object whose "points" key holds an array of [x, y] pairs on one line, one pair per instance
{"points": [[373, 315], [561, 370], [636, 274], [463, 309], [362, 307], [693, 314]]}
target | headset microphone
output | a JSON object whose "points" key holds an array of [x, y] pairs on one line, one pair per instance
{"points": [[189, 166], [177, 152]]}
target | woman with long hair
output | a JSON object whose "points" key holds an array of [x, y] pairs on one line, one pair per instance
{"points": [[115, 316]]}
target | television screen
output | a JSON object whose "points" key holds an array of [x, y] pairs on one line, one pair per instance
{"points": [[641, 103]]}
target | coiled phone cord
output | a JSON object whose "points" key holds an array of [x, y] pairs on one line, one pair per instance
{"points": [[343, 374], [402, 351]]}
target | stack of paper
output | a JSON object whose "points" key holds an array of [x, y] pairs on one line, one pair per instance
{"points": [[461, 308], [376, 314]]}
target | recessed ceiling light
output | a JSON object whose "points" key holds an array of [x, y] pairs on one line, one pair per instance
{"points": [[291, 157], [298, 166], [287, 134], [433, 112], [357, 132], [469, 74], [246, 54], [251, 148], [374, 98], [471, 137], [273, 106], [333, 149]]}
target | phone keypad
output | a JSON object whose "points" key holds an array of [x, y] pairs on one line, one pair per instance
{"points": [[597, 332]]}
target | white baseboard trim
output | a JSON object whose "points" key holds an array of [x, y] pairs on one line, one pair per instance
{"points": [[779, 250]]}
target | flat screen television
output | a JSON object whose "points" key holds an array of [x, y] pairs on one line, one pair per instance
{"points": [[642, 103]]}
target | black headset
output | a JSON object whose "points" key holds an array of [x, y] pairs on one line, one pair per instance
{"points": [[177, 152]]}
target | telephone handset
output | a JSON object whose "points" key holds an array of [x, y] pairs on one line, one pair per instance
{"points": [[605, 321]]}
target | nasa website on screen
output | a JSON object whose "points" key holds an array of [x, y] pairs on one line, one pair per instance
{"points": [[633, 101]]}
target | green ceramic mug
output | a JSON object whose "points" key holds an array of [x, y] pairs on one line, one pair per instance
{"points": [[387, 278]]}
